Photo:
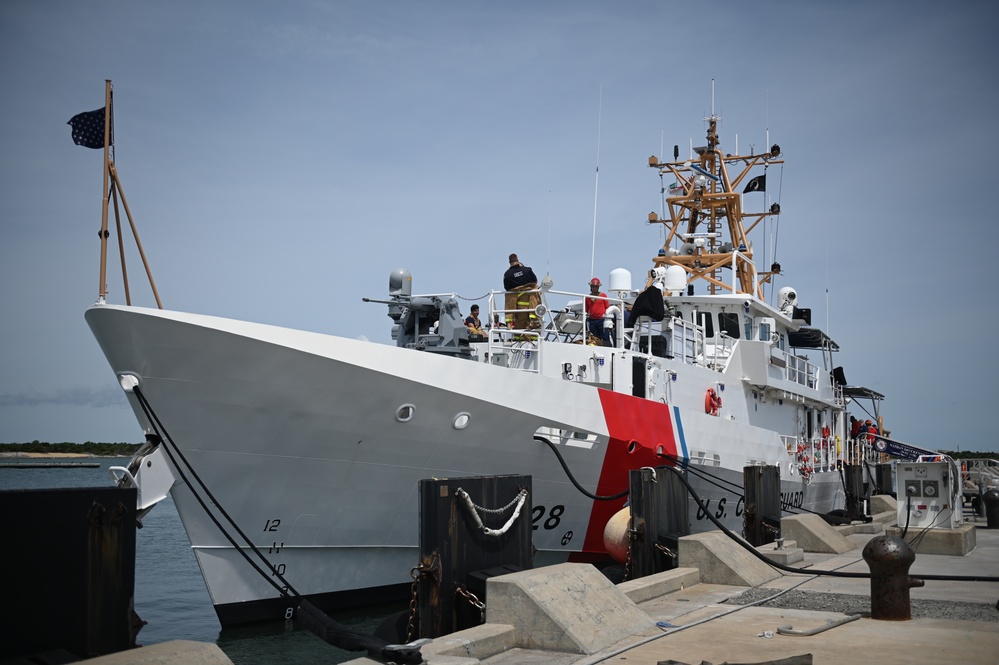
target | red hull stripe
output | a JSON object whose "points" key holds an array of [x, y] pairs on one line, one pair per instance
{"points": [[641, 431]]}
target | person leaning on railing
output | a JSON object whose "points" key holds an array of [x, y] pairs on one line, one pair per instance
{"points": [[522, 300]]}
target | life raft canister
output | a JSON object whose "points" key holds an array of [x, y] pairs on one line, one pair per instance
{"points": [[712, 402]]}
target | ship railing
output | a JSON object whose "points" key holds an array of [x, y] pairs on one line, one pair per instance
{"points": [[838, 398], [861, 449], [799, 370], [792, 447], [674, 338], [979, 474], [516, 348], [688, 337], [811, 455], [560, 317], [717, 354], [822, 451], [647, 336]]}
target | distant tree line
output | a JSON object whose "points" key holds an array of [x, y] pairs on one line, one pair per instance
{"points": [[970, 454], [86, 448]]}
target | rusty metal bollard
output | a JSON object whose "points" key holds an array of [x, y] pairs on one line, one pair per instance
{"points": [[889, 558]]}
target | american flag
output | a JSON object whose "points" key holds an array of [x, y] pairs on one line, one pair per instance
{"points": [[88, 128]]}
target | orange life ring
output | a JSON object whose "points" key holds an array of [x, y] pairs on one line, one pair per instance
{"points": [[712, 402]]}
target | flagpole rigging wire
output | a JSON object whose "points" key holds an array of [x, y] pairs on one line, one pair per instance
{"points": [[662, 187], [780, 190], [102, 287]]}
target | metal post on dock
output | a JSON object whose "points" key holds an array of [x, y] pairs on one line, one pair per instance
{"points": [[761, 517], [659, 519], [883, 477], [889, 559], [471, 529], [72, 589], [853, 479]]}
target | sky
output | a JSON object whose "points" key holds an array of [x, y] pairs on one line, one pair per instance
{"points": [[281, 159]]}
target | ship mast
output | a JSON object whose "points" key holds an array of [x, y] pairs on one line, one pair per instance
{"points": [[111, 190], [706, 205]]}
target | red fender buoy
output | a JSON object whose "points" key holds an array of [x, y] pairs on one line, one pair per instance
{"points": [[616, 538]]}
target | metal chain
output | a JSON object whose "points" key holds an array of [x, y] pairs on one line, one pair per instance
{"points": [[627, 562], [473, 600], [473, 510], [491, 511], [416, 572], [665, 550], [412, 605]]}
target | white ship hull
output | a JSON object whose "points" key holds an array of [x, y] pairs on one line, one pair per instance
{"points": [[314, 445]]}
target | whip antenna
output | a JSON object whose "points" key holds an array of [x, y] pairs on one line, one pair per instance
{"points": [[596, 182], [549, 265]]}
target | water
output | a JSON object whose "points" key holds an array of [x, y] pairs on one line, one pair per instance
{"points": [[171, 596]]}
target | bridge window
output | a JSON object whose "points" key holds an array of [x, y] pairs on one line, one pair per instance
{"points": [[729, 324], [706, 321]]}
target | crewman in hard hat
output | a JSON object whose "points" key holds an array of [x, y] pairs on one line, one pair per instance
{"points": [[522, 296], [596, 306]]}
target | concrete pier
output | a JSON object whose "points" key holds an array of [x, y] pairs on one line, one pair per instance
{"points": [[680, 616]]}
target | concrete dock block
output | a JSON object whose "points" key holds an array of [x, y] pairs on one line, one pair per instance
{"points": [[479, 642], [567, 607], [660, 584], [873, 528], [950, 542], [886, 517], [814, 534], [433, 659], [883, 503], [177, 652], [786, 555], [723, 561], [845, 529]]}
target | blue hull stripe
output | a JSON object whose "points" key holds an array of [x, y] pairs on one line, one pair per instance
{"points": [[679, 433]]}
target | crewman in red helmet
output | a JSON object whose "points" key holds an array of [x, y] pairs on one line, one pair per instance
{"points": [[595, 310]]}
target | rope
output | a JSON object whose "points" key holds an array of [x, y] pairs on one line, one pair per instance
{"points": [[158, 426], [331, 631]]}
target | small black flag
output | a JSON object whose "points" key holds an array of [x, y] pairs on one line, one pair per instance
{"points": [[757, 184], [88, 128]]}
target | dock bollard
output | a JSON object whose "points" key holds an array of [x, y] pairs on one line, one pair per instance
{"points": [[991, 502], [889, 558]]}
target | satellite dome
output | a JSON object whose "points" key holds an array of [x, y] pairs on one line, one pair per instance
{"points": [[675, 280]]}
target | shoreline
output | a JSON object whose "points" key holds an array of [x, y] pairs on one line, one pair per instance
{"points": [[18, 455]]}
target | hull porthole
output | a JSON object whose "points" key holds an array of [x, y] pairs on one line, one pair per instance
{"points": [[405, 413]]}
